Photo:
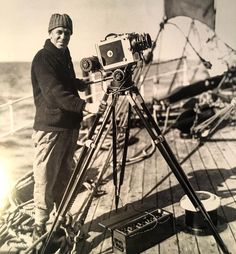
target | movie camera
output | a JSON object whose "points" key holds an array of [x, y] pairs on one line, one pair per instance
{"points": [[117, 51]]}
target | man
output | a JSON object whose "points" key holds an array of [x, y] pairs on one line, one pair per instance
{"points": [[59, 111]]}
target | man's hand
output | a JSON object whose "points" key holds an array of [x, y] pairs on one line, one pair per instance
{"points": [[94, 108]]}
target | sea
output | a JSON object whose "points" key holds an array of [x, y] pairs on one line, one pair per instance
{"points": [[16, 153]]}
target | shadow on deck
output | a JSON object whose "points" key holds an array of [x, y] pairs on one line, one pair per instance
{"points": [[150, 183]]}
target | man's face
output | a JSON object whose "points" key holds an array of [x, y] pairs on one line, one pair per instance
{"points": [[60, 37]]}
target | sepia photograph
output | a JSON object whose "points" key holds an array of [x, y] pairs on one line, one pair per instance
{"points": [[118, 127]]}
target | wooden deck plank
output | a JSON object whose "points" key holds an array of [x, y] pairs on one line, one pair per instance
{"points": [[228, 153], [150, 179], [164, 201], [102, 213], [128, 202], [215, 177], [226, 146], [229, 137], [125, 189], [137, 183], [225, 189], [95, 239], [150, 189], [222, 190], [187, 241], [199, 173]]}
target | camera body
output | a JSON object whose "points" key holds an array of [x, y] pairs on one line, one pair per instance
{"points": [[117, 51]]}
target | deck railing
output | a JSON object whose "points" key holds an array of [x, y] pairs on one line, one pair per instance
{"points": [[10, 105]]}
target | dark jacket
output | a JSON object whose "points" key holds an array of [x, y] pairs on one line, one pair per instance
{"points": [[55, 89]]}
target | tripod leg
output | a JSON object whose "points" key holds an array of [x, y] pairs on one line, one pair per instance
{"points": [[124, 157], [125, 148], [114, 151], [171, 160]]}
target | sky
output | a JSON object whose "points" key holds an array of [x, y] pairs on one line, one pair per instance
{"points": [[24, 23]]}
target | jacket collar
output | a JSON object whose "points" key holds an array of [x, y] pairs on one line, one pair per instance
{"points": [[57, 52]]}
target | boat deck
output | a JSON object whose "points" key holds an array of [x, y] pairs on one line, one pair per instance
{"points": [[150, 183]]}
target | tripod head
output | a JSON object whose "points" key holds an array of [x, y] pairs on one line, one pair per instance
{"points": [[122, 80]]}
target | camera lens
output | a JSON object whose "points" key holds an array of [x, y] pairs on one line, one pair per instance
{"points": [[148, 41], [85, 64], [90, 64], [140, 42]]}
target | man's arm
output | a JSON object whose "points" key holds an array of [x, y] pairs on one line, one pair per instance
{"points": [[81, 84], [53, 90]]}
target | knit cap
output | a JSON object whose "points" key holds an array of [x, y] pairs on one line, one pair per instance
{"points": [[58, 20]]}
